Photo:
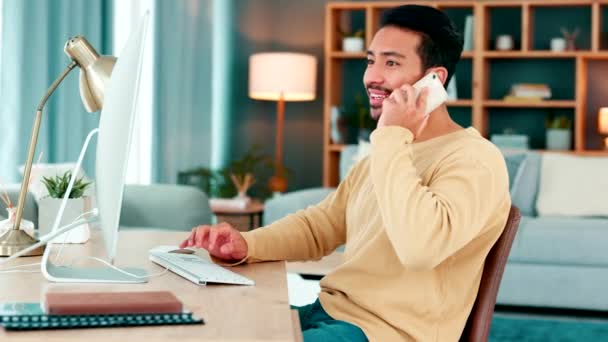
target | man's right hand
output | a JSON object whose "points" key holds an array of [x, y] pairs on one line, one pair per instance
{"points": [[221, 241]]}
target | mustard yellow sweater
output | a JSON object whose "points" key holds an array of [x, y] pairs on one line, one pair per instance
{"points": [[418, 220]]}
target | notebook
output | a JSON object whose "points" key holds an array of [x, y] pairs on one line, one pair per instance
{"points": [[30, 316], [111, 303]]}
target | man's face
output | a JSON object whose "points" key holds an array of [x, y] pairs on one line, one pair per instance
{"points": [[392, 61]]}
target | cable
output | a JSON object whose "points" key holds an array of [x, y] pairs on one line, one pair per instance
{"points": [[95, 211], [120, 269], [12, 268]]}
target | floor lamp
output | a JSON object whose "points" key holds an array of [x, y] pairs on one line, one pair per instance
{"points": [[281, 76], [603, 124], [95, 71]]}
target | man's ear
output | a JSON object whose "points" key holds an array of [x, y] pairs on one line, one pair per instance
{"points": [[441, 72]]}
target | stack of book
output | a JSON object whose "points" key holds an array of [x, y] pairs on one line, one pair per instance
{"points": [[528, 92], [70, 310]]}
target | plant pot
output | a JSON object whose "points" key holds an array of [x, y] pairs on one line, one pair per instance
{"points": [[339, 126], [47, 212], [559, 139], [352, 44]]}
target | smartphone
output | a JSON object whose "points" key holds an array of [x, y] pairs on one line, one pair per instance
{"points": [[437, 94]]}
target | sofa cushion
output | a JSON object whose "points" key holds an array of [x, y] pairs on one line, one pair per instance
{"points": [[525, 188], [348, 157], [283, 205], [573, 185], [165, 206], [561, 240]]}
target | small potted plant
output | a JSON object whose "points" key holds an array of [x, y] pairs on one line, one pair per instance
{"points": [[559, 136], [353, 42], [77, 204]]}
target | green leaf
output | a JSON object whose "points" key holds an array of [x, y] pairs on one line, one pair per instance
{"points": [[57, 186]]}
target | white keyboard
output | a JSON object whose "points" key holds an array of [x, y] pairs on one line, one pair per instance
{"points": [[194, 268]]}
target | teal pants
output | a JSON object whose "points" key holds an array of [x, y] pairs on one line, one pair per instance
{"points": [[317, 325]]}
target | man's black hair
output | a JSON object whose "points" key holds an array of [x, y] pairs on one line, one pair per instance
{"points": [[441, 42]]}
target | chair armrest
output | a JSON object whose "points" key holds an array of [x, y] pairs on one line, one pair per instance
{"points": [[175, 207], [283, 205]]}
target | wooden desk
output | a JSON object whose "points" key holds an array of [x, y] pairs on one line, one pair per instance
{"points": [[231, 312], [316, 269]]}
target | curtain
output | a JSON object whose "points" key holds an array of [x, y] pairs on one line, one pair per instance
{"points": [[182, 98], [33, 36]]}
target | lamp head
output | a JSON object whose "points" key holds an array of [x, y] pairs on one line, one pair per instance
{"points": [[95, 71], [289, 75]]}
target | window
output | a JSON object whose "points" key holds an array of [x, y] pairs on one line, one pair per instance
{"points": [[127, 15]]}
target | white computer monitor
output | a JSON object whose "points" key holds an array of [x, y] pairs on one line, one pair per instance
{"points": [[115, 132], [113, 145]]}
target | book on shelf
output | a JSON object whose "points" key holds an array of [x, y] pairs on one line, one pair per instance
{"points": [[530, 91], [512, 98]]}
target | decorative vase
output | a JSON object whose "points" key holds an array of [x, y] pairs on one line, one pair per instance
{"points": [[48, 208], [27, 226], [339, 129], [364, 134], [352, 44], [558, 139]]}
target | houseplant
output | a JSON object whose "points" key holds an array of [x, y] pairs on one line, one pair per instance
{"points": [[219, 183], [78, 203], [559, 135], [353, 42]]}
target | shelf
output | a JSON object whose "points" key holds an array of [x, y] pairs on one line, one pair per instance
{"points": [[533, 54], [460, 103], [348, 55], [533, 104], [336, 147], [363, 55], [467, 54]]}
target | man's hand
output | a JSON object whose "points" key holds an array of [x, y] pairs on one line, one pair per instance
{"points": [[222, 241], [402, 108]]}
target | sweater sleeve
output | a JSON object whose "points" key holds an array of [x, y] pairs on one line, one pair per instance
{"points": [[427, 224], [308, 234]]}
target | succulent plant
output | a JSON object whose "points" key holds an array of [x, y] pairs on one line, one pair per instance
{"points": [[58, 185]]}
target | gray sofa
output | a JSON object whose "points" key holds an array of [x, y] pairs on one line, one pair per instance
{"points": [[555, 262], [162, 206]]}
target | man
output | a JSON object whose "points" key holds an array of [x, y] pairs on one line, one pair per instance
{"points": [[418, 216]]}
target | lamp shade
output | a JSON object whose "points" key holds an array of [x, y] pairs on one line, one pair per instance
{"points": [[274, 73], [95, 71], [603, 120]]}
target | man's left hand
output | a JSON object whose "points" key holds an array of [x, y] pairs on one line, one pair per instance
{"points": [[402, 108]]}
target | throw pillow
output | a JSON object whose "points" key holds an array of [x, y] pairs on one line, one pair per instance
{"points": [[573, 185], [40, 170]]}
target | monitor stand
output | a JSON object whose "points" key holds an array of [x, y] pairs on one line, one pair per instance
{"points": [[71, 274]]}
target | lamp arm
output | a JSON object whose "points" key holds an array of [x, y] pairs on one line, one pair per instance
{"points": [[33, 141]]}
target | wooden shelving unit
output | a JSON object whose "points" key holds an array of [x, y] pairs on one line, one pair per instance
{"points": [[481, 60]]}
